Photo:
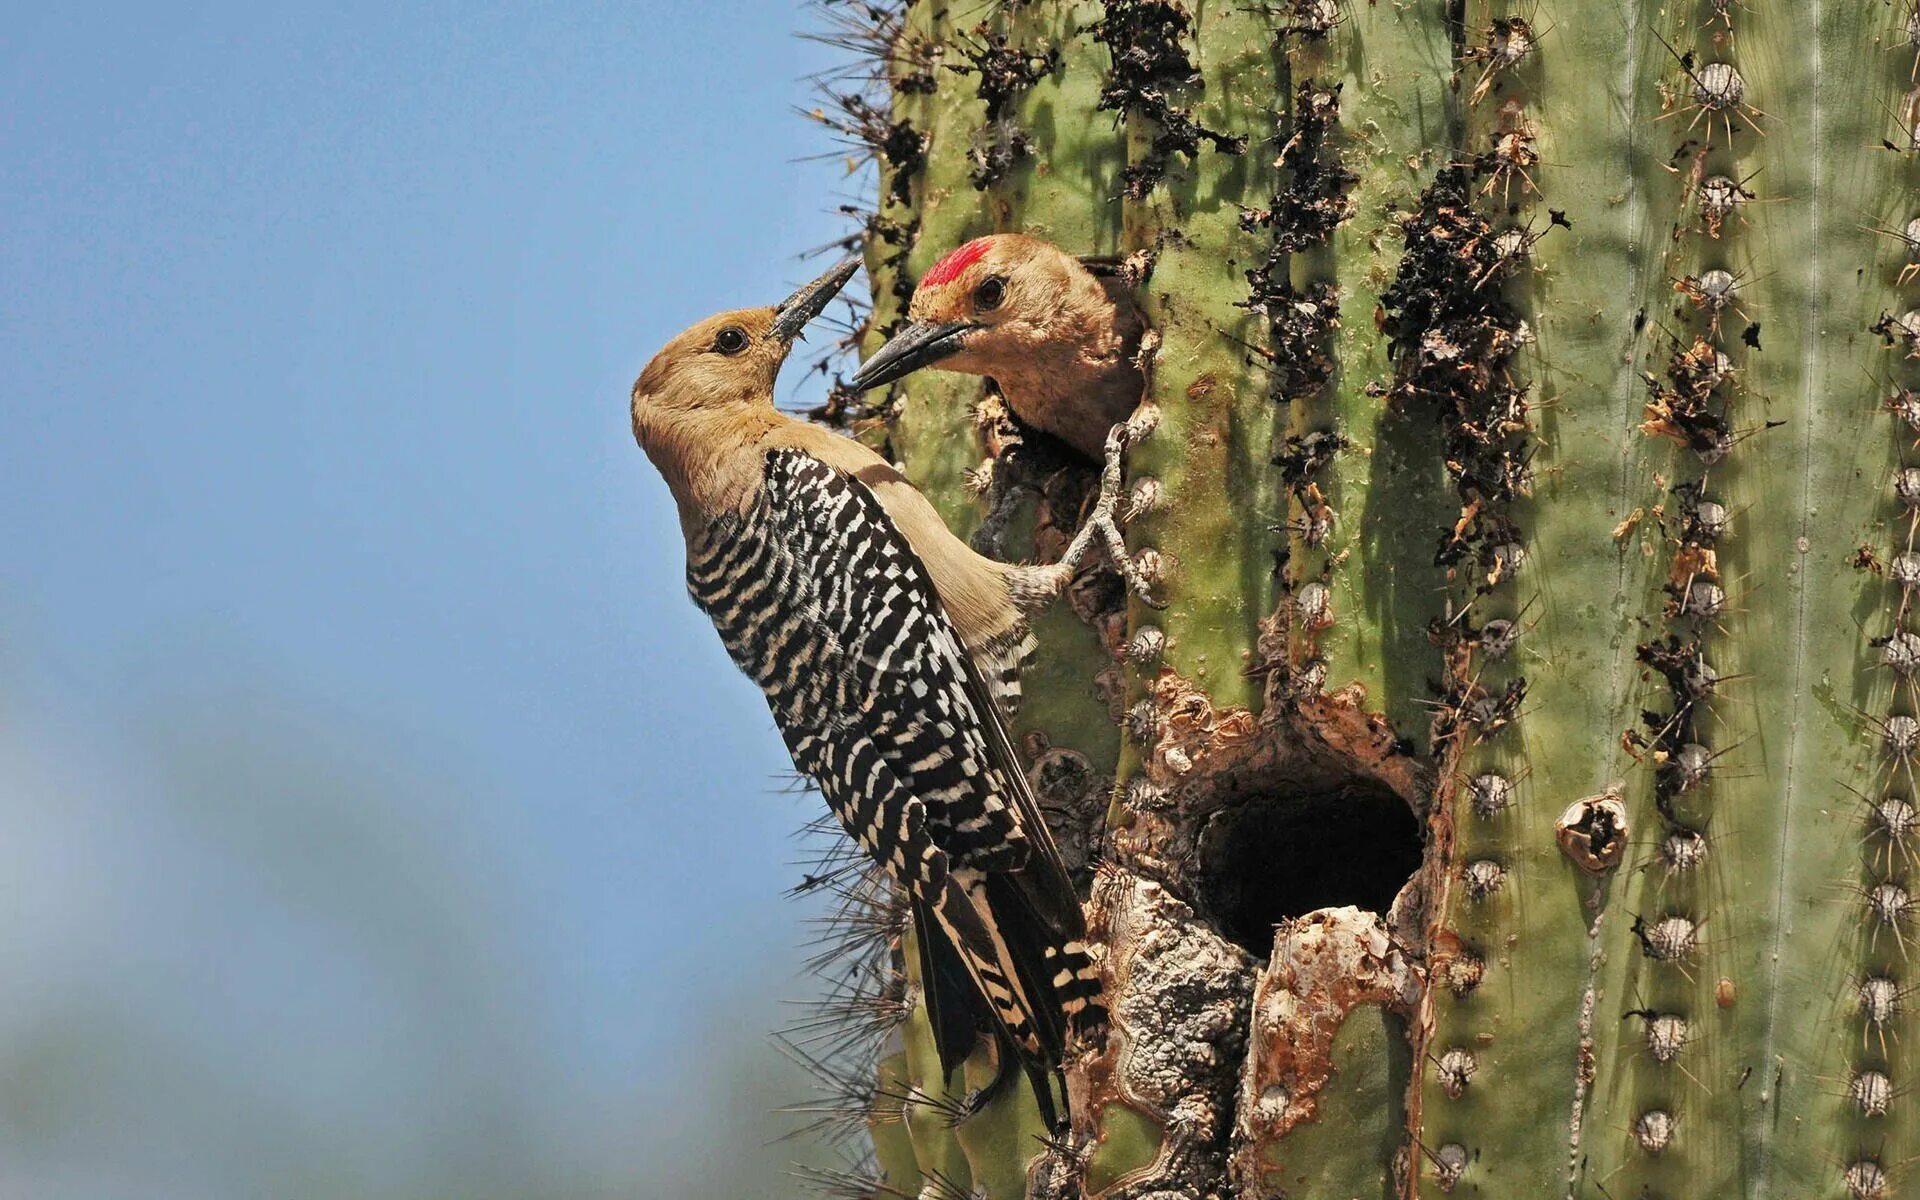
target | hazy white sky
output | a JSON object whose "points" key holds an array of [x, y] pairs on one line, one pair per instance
{"points": [[380, 804]]}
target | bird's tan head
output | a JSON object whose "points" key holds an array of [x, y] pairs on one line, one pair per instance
{"points": [[990, 303], [728, 361]]}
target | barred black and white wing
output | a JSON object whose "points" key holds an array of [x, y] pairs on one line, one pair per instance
{"points": [[820, 597]]}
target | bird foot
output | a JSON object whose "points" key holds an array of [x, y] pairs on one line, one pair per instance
{"points": [[975, 1100], [978, 1098], [1104, 522]]}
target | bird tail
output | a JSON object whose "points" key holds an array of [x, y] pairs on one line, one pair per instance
{"points": [[1026, 983]]}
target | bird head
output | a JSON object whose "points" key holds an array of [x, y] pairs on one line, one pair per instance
{"points": [[987, 304], [731, 359]]}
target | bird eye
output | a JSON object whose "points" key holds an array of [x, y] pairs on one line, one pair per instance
{"points": [[992, 290], [731, 340]]}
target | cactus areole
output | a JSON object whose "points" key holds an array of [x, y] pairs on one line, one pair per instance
{"points": [[1499, 778]]}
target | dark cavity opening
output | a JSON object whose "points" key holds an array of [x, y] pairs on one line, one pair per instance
{"points": [[1285, 855]]}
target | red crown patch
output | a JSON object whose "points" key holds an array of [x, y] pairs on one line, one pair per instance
{"points": [[948, 269]]}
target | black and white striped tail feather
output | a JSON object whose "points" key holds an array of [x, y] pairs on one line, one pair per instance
{"points": [[1037, 986], [981, 951], [952, 998], [1059, 972]]}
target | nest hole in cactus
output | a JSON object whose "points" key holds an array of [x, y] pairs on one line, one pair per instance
{"points": [[1286, 853]]}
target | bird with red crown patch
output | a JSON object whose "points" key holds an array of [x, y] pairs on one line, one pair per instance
{"points": [[1059, 341]]}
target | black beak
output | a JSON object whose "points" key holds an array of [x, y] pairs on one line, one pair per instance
{"points": [[916, 346], [791, 315]]}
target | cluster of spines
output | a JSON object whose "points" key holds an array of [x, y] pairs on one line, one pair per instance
{"points": [[1315, 193], [839, 1035], [1689, 402], [1888, 907], [885, 150], [1148, 43], [1454, 335], [1295, 290], [1003, 72], [1882, 989], [1902, 331]]}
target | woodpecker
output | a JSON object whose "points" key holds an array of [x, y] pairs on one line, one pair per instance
{"points": [[889, 653], [1060, 341], [1062, 344]]}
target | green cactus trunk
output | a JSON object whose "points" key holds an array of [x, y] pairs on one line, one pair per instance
{"points": [[1515, 795]]}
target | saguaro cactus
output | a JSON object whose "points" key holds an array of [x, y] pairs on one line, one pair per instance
{"points": [[1515, 795]]}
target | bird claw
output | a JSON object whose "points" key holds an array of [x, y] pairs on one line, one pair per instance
{"points": [[1104, 522], [977, 1099]]}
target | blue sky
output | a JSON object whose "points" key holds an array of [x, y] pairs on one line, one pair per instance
{"points": [[384, 803]]}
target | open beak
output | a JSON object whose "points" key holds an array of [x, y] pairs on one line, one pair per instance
{"points": [[791, 315], [916, 346]]}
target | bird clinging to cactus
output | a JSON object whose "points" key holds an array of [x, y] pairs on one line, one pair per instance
{"points": [[1059, 340], [888, 651], [1062, 344]]}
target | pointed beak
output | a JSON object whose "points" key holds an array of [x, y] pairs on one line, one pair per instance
{"points": [[918, 345], [791, 315]]}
